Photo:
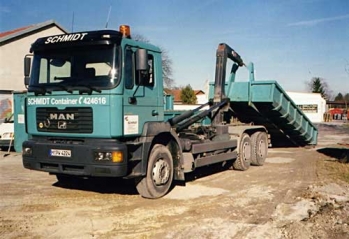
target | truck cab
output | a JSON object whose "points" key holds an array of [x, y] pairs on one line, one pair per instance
{"points": [[88, 93]]}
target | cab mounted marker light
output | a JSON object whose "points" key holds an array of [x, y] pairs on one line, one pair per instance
{"points": [[125, 30]]}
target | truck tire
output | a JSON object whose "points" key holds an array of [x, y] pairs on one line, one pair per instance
{"points": [[259, 148], [159, 176], [243, 160]]}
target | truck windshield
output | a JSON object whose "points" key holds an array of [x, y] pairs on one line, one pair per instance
{"points": [[92, 67]]}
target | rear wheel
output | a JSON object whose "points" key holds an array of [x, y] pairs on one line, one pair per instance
{"points": [[259, 148], [159, 176], [243, 160]]}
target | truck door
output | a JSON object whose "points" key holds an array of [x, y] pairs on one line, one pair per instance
{"points": [[142, 102]]}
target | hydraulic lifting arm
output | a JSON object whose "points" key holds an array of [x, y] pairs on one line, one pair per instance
{"points": [[186, 119], [224, 52]]}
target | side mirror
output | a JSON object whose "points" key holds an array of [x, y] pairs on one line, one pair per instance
{"points": [[142, 67], [141, 60], [27, 66]]}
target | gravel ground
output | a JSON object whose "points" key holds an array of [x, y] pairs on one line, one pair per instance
{"points": [[289, 197]]}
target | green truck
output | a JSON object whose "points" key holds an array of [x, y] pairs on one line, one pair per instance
{"points": [[95, 108]]}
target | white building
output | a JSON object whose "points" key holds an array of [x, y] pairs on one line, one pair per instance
{"points": [[312, 105], [14, 45]]}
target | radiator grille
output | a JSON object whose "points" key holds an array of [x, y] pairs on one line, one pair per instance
{"points": [[68, 120]]}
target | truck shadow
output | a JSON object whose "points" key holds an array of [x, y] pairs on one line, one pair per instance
{"points": [[127, 186], [340, 154], [100, 185], [206, 171]]}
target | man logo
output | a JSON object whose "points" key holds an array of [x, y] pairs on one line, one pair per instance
{"points": [[61, 116]]}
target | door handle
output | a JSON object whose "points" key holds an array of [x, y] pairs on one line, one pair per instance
{"points": [[154, 113]]}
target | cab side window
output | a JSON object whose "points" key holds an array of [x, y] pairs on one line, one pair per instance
{"points": [[129, 69], [137, 78], [146, 78], [151, 70]]}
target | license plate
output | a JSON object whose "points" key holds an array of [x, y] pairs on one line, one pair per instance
{"points": [[60, 153]]}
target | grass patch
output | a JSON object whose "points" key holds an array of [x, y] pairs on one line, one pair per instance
{"points": [[333, 169]]}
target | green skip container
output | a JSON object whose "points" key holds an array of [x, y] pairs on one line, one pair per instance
{"points": [[266, 103]]}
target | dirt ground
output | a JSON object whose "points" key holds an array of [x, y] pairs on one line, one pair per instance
{"points": [[291, 196]]}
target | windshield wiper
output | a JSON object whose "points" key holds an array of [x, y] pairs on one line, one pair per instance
{"points": [[69, 90], [39, 89], [89, 89], [64, 78]]}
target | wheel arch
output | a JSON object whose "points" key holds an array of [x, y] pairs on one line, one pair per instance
{"points": [[162, 133], [238, 131]]}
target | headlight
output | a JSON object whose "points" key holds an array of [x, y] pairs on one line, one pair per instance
{"points": [[27, 151], [114, 156]]}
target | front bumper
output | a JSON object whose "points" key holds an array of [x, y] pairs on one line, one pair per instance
{"points": [[81, 161]]}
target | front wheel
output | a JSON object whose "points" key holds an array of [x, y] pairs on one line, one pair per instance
{"points": [[159, 176]]}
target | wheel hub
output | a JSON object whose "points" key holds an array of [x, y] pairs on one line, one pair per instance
{"points": [[161, 172], [262, 146], [246, 151]]}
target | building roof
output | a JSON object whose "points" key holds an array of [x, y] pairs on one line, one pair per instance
{"points": [[12, 35], [177, 94], [199, 92]]}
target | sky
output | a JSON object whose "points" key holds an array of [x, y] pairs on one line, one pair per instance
{"points": [[289, 41]]}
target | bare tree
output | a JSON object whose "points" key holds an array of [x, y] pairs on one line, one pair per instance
{"points": [[346, 100], [346, 96], [339, 97], [166, 63], [319, 85]]}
